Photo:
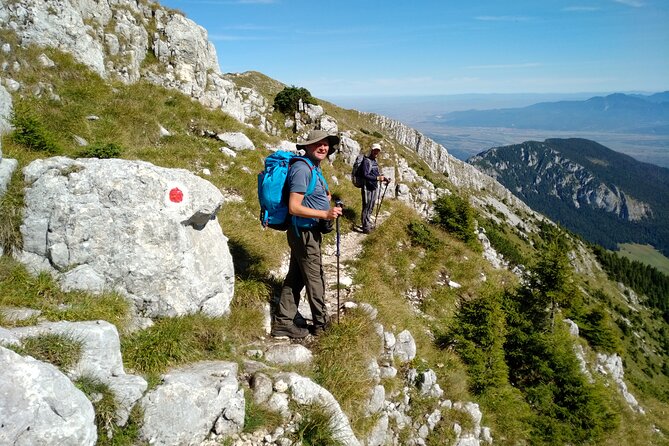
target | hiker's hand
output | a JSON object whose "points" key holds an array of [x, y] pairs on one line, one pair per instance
{"points": [[387, 180], [333, 213]]}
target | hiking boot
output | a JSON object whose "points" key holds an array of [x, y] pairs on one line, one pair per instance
{"points": [[292, 331], [318, 330], [366, 231], [300, 321]]}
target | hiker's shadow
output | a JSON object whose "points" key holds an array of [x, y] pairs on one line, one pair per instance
{"points": [[248, 266], [351, 215]]}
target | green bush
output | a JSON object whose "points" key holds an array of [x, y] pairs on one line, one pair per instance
{"points": [[505, 246], [30, 132], [454, 214], [596, 327], [102, 151], [478, 334], [421, 235], [286, 101]]}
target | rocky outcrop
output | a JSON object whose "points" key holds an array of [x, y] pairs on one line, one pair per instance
{"points": [[6, 107], [114, 37], [537, 168], [39, 406], [100, 359], [147, 232], [462, 175], [208, 398], [612, 365]]}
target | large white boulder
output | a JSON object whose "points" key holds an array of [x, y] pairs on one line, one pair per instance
{"points": [[40, 406], [147, 232], [6, 107], [100, 358], [191, 402], [306, 392]]}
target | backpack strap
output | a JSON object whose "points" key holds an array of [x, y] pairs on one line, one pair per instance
{"points": [[312, 183]]}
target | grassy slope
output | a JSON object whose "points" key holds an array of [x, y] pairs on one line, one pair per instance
{"points": [[645, 254], [388, 267]]}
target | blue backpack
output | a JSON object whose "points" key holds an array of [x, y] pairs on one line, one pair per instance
{"points": [[273, 191]]}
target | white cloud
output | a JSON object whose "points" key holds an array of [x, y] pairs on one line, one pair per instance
{"points": [[632, 3]]}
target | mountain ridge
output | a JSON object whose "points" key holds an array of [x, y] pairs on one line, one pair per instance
{"points": [[605, 196], [616, 112]]}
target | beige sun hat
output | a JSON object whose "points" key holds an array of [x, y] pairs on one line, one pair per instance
{"points": [[375, 146], [317, 135]]}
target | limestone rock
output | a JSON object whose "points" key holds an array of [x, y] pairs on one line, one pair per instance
{"points": [[305, 391], [189, 402], [40, 406], [7, 168], [236, 141], [405, 349], [613, 365], [284, 354], [100, 358], [147, 232], [6, 107]]}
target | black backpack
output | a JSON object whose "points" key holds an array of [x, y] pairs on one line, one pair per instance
{"points": [[356, 178]]}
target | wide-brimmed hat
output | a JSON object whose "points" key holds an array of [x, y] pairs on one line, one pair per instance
{"points": [[317, 135]]}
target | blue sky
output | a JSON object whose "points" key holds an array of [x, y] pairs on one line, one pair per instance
{"points": [[370, 48]]}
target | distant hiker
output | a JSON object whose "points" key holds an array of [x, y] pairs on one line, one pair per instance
{"points": [[369, 171], [304, 238]]}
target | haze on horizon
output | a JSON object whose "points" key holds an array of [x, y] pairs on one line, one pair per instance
{"points": [[380, 48]]}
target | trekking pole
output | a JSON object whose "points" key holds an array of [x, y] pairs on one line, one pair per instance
{"points": [[338, 204], [380, 203]]}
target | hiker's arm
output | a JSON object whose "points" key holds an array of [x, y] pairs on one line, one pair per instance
{"points": [[368, 172], [295, 207]]}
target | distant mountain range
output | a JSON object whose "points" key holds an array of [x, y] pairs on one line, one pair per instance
{"points": [[605, 196], [617, 112]]}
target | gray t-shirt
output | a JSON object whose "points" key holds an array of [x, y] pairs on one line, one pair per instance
{"points": [[299, 177]]}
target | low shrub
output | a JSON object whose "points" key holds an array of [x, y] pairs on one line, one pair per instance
{"points": [[421, 235], [101, 151], [30, 132]]}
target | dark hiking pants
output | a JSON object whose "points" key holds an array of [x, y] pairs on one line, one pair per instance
{"points": [[369, 198], [305, 270]]}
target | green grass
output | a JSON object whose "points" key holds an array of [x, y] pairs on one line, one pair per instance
{"points": [[344, 371], [60, 350], [181, 340], [19, 288], [645, 254], [257, 416], [105, 405], [314, 428]]}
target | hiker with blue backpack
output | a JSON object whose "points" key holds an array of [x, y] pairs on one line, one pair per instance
{"points": [[371, 178], [303, 210]]}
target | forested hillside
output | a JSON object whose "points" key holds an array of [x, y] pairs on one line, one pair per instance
{"points": [[604, 196]]}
